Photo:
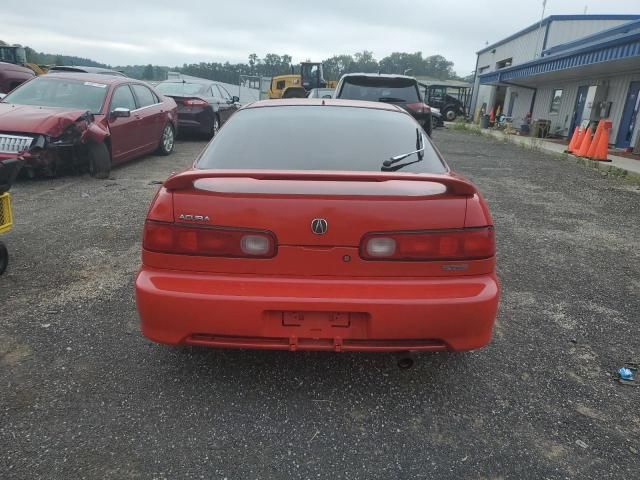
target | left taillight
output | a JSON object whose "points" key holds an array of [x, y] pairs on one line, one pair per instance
{"points": [[459, 244], [207, 241], [419, 107]]}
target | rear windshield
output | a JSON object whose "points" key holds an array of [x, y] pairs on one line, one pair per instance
{"points": [[380, 89], [179, 88], [318, 138], [58, 92]]}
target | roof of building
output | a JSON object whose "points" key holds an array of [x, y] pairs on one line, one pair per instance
{"points": [[449, 83], [556, 18]]}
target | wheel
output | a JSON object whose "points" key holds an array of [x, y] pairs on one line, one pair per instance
{"points": [[449, 114], [428, 125], [99, 160], [167, 141], [4, 258], [215, 127]]}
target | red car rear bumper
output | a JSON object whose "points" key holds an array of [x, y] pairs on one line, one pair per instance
{"points": [[235, 311]]}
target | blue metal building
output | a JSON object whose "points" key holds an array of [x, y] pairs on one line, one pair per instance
{"points": [[569, 70]]}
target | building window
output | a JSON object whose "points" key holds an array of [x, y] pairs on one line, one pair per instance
{"points": [[556, 98], [504, 63]]}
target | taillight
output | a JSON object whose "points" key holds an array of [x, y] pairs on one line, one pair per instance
{"points": [[419, 107], [461, 244], [207, 241], [194, 102]]}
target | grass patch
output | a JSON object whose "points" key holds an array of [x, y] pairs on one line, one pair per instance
{"points": [[465, 127]]}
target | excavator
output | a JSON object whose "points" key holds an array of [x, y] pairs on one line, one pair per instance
{"points": [[14, 68], [298, 85]]}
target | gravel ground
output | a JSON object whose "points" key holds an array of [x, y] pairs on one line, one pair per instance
{"points": [[83, 395]]}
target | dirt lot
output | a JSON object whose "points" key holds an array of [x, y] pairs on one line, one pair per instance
{"points": [[83, 395]]}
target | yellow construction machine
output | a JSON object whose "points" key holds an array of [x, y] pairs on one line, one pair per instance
{"points": [[298, 85], [18, 56]]}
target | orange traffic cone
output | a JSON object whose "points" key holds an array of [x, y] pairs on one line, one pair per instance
{"points": [[586, 143], [492, 116], [581, 133], [596, 139], [574, 138], [602, 148]]}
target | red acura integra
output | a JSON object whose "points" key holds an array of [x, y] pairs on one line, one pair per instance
{"points": [[319, 225], [79, 120]]}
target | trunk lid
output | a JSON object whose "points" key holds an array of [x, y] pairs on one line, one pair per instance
{"points": [[287, 207], [287, 204]]}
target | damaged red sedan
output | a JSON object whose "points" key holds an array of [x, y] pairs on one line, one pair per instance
{"points": [[75, 122], [353, 234]]}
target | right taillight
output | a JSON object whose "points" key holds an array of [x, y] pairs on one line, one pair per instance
{"points": [[207, 241], [419, 107], [194, 102], [459, 244]]}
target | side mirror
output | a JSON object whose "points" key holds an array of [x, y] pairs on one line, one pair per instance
{"points": [[120, 112], [235, 99]]}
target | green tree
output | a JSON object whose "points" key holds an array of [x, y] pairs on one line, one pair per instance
{"points": [[59, 60], [336, 66], [364, 62], [148, 73]]}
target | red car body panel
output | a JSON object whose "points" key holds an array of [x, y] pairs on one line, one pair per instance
{"points": [[251, 311], [31, 119], [128, 137], [317, 292], [12, 75]]}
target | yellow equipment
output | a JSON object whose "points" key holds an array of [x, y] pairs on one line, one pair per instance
{"points": [[297, 86], [6, 218], [18, 56], [8, 171]]}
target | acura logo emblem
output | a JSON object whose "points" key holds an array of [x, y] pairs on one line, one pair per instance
{"points": [[319, 226]]}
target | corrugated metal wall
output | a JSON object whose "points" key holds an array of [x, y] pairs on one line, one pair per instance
{"points": [[564, 31], [485, 95], [618, 88], [561, 121], [521, 49], [521, 104]]}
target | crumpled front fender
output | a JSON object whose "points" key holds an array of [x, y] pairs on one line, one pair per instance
{"points": [[94, 132]]}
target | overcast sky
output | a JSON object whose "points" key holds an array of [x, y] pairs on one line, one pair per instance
{"points": [[173, 32]]}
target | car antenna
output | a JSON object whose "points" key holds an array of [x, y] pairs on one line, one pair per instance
{"points": [[323, 101]]}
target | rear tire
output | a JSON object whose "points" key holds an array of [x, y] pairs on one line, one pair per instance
{"points": [[215, 126], [167, 140], [99, 160], [428, 125], [449, 115], [4, 258]]}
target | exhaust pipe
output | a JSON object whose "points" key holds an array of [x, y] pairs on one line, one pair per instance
{"points": [[406, 361]]}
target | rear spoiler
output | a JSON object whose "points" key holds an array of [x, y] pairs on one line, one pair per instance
{"points": [[455, 184]]}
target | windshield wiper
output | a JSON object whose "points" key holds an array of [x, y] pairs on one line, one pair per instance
{"points": [[387, 165]]}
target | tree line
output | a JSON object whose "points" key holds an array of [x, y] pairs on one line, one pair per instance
{"points": [[435, 66], [415, 64]]}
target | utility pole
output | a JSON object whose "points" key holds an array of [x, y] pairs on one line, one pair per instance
{"points": [[544, 6]]}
